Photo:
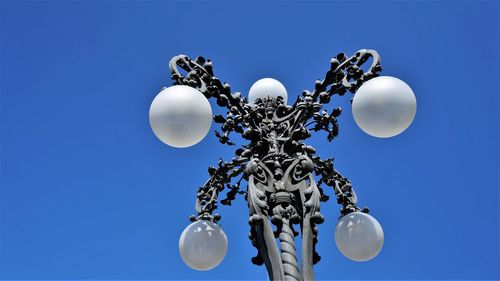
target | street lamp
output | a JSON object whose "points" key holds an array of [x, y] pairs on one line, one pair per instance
{"points": [[284, 175]]}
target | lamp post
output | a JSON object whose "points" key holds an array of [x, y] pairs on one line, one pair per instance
{"points": [[285, 176]]}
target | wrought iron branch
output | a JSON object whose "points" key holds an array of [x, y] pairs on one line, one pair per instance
{"points": [[220, 178], [344, 191], [346, 74], [199, 75]]}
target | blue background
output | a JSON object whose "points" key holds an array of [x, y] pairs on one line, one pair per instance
{"points": [[88, 192]]}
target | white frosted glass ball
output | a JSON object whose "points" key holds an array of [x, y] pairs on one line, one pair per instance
{"points": [[203, 245], [180, 116], [359, 236], [267, 87], [384, 106]]}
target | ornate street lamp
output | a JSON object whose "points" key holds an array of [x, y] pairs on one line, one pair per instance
{"points": [[284, 175]]}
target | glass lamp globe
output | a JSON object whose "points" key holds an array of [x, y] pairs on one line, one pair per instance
{"points": [[359, 236], [180, 116], [384, 106], [267, 87], [203, 245]]}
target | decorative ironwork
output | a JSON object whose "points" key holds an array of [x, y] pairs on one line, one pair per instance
{"points": [[281, 170]]}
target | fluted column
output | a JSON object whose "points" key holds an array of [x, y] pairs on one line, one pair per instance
{"points": [[289, 252]]}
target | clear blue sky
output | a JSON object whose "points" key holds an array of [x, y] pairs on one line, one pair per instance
{"points": [[88, 192]]}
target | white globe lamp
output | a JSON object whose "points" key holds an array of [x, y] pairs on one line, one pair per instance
{"points": [[203, 245], [267, 88], [384, 106], [180, 116], [359, 236]]}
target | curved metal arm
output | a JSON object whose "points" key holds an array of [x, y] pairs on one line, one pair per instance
{"points": [[200, 76], [342, 186], [220, 178], [345, 74]]}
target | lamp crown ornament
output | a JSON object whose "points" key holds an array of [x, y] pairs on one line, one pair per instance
{"points": [[285, 177]]}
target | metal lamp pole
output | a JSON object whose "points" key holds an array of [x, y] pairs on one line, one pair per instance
{"points": [[283, 192]]}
